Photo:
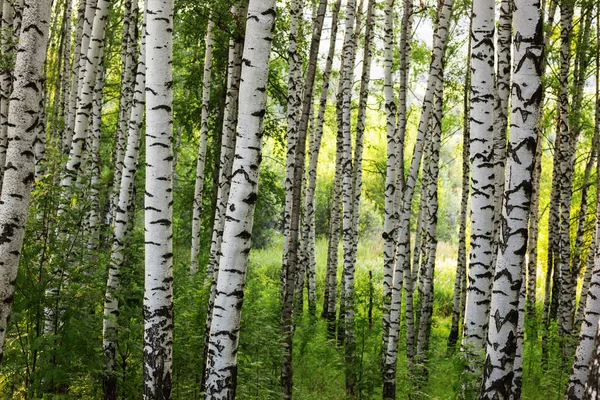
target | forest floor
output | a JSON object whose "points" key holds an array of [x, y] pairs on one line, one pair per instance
{"points": [[319, 363]]}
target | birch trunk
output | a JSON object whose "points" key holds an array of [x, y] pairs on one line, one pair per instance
{"points": [[121, 223], [87, 10], [592, 386], [483, 168], [128, 49], [517, 379], [234, 69], [352, 193], [590, 295], [294, 104], [431, 169], [389, 213], [502, 92], [460, 281], [525, 98], [403, 242], [330, 275], [568, 144], [24, 111], [201, 161], [85, 96], [6, 76], [158, 201], [295, 210], [221, 371], [93, 161]]}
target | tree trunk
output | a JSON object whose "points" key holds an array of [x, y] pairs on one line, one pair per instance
{"points": [[6, 77], [483, 168], [352, 193], [295, 210], [201, 160], [88, 70], [294, 105], [402, 250], [158, 201], [460, 281], [124, 214], [221, 374], [389, 212], [526, 95], [431, 170], [330, 274], [128, 48], [23, 114]]}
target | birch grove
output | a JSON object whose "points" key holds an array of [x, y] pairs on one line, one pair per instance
{"points": [[189, 209]]}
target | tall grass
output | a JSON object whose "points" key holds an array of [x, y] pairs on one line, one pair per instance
{"points": [[319, 362]]}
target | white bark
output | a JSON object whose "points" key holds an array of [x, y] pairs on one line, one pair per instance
{"points": [[294, 106], [120, 226], [24, 113], [525, 98], [86, 92], [87, 10], [235, 247], [482, 179], [128, 64], [158, 201], [403, 242], [390, 215], [6, 77], [201, 161]]}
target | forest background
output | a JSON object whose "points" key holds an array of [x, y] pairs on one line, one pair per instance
{"points": [[54, 342]]}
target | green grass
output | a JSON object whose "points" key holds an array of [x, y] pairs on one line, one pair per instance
{"points": [[319, 362]]}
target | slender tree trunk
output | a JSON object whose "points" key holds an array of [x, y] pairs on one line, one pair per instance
{"points": [[24, 111], [294, 105], [87, 10], [295, 210], [221, 374], [582, 366], [431, 169], [330, 274], [568, 144], [402, 250], [85, 97], [525, 98], [227, 153], [334, 234], [352, 194], [158, 201], [234, 69], [517, 379], [120, 228], [389, 212], [92, 230], [483, 168], [6, 77], [553, 210], [460, 282], [201, 161], [128, 47]]}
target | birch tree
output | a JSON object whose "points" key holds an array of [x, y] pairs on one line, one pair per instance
{"points": [[158, 201], [121, 223], [293, 259], [525, 98], [201, 161], [482, 179], [224, 332], [24, 113], [403, 242]]}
